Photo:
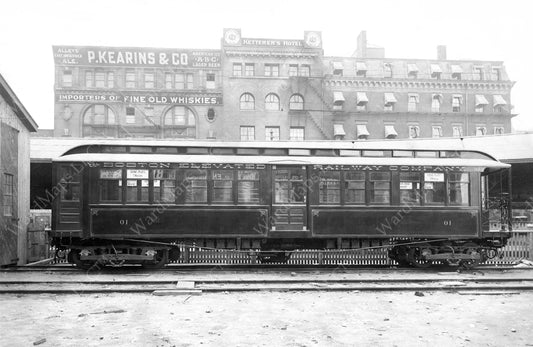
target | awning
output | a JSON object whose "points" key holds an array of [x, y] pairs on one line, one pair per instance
{"points": [[499, 100], [437, 96], [360, 66], [362, 132], [456, 69], [435, 68], [390, 132], [361, 98], [338, 98], [481, 100], [414, 96], [337, 65], [412, 68], [338, 130], [390, 99]]}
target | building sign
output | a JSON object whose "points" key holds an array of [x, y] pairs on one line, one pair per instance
{"points": [[152, 98], [312, 39], [122, 56], [272, 43]]}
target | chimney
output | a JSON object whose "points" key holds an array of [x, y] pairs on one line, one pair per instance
{"points": [[361, 44], [441, 52]]}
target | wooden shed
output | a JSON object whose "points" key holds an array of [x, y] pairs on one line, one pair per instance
{"points": [[15, 127]]}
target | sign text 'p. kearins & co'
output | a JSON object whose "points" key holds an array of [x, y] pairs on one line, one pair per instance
{"points": [[131, 56]]}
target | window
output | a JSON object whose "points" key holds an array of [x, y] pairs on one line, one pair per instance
{"points": [[70, 190], [457, 100], [272, 133], [436, 71], [180, 122], [412, 103], [481, 131], [496, 73], [247, 133], [248, 187], [360, 68], [249, 69], [110, 79], [435, 103], [99, 79], [305, 70], [9, 192], [149, 81], [480, 108], [478, 73], [110, 185], [195, 186], [183, 81], [457, 131], [210, 81], [130, 79], [330, 187], [211, 114], [338, 68], [498, 130], [272, 102], [379, 187], [412, 71], [354, 187], [89, 79], [456, 72], [97, 120], [410, 188], [289, 186], [247, 102], [130, 115], [362, 101], [164, 185], [293, 70], [271, 70], [296, 102], [414, 131], [387, 70], [222, 186], [296, 134], [66, 80], [436, 131], [137, 185], [237, 69], [390, 100], [434, 188], [168, 80], [458, 188]]}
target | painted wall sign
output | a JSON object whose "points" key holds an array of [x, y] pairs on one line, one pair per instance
{"points": [[153, 98], [132, 56]]}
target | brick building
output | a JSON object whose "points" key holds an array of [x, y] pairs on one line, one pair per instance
{"points": [[275, 89]]}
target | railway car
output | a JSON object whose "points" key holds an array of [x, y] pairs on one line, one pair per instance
{"points": [[133, 202]]}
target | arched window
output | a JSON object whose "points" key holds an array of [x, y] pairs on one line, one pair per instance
{"points": [[296, 102], [99, 121], [247, 102], [272, 102], [179, 121]]}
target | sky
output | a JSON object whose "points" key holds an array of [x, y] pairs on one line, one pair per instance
{"points": [[472, 29]]}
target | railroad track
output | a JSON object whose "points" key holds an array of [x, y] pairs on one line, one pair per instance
{"points": [[195, 284]]}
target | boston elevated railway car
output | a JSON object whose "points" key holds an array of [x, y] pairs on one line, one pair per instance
{"points": [[134, 202]]}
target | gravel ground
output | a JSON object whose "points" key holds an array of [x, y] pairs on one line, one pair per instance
{"points": [[268, 319]]}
